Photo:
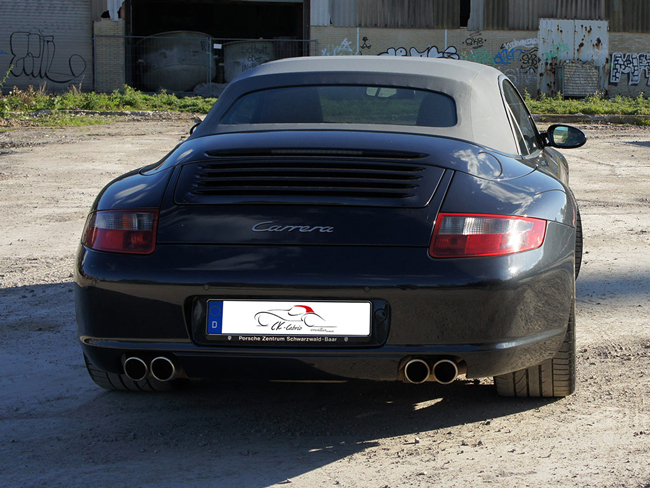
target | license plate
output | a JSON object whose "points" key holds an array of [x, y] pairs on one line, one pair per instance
{"points": [[284, 318]]}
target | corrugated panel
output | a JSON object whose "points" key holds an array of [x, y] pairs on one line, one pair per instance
{"points": [[623, 15], [48, 42], [495, 16], [98, 7], [320, 12], [628, 15], [476, 14], [416, 14], [580, 9], [525, 14], [344, 13]]}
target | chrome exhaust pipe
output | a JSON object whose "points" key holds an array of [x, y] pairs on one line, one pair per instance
{"points": [[445, 371], [163, 369], [135, 368], [416, 371]]}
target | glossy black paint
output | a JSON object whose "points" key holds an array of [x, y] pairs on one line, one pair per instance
{"points": [[494, 315], [492, 308]]}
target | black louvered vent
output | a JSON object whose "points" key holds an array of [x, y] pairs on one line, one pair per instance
{"points": [[321, 181]]}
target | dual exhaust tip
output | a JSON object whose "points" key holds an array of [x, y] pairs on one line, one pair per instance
{"points": [[416, 371], [444, 371], [160, 368]]}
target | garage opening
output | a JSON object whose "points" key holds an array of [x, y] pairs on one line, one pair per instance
{"points": [[198, 46]]}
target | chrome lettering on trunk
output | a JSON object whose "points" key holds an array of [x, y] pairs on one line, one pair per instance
{"points": [[270, 226]]}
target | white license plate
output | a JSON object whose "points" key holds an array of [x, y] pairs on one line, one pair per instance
{"points": [[283, 318]]}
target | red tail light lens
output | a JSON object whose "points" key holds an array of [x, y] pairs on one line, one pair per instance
{"points": [[123, 231], [465, 235]]}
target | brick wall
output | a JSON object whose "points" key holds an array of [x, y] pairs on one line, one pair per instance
{"points": [[109, 55]]}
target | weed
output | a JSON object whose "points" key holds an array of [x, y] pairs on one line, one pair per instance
{"points": [[591, 105]]}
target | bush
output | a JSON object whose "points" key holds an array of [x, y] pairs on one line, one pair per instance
{"points": [[592, 105], [31, 100]]}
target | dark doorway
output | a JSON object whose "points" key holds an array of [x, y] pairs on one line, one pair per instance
{"points": [[465, 8], [218, 18]]}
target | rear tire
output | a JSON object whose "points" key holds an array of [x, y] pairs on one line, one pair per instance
{"points": [[554, 377], [121, 382]]}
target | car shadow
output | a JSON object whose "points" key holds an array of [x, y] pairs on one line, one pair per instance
{"points": [[257, 434], [251, 434]]}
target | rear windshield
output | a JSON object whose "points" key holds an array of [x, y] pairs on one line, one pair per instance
{"points": [[343, 104]]}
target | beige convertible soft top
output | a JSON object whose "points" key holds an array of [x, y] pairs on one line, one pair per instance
{"points": [[482, 117]]}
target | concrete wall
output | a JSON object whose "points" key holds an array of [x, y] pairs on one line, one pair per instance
{"points": [[515, 53]]}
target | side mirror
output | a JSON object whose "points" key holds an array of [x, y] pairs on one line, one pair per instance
{"points": [[565, 136], [194, 127]]}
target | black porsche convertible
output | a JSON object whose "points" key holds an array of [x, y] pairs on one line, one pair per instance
{"points": [[341, 218]]}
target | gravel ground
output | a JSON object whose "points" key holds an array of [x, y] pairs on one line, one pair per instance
{"points": [[58, 428]]}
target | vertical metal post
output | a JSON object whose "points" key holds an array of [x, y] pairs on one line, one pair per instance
{"points": [[94, 62]]}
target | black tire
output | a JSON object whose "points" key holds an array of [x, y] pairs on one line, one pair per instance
{"points": [[554, 377], [121, 382], [578, 249]]}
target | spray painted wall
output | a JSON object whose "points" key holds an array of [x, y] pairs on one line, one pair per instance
{"points": [[623, 68], [46, 43], [629, 70], [515, 53]]}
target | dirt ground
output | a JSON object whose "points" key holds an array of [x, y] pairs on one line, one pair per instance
{"points": [[58, 428]]}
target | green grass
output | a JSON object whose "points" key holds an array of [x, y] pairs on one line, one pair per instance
{"points": [[594, 105], [18, 104], [33, 100], [66, 120]]}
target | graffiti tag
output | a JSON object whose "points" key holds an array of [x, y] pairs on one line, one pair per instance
{"points": [[33, 56], [632, 64], [343, 49], [429, 52], [530, 42], [555, 51], [521, 76], [529, 59], [482, 56], [507, 56], [475, 40]]}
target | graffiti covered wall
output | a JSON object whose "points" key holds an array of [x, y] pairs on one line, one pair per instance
{"points": [[515, 53], [46, 43]]}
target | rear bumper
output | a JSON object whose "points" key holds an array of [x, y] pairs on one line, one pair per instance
{"points": [[382, 364], [496, 315]]}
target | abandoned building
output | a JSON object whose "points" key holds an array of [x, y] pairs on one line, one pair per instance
{"points": [[575, 47]]}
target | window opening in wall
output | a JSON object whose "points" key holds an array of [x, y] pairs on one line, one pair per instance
{"points": [[465, 8]]}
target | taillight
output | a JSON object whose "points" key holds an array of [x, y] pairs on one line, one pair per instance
{"points": [[465, 235], [124, 231]]}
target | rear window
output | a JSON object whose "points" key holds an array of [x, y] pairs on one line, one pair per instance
{"points": [[343, 104]]}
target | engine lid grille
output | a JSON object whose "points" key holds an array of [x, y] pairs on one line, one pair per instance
{"points": [[312, 181]]}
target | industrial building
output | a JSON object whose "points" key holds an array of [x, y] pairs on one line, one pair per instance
{"points": [[576, 47]]}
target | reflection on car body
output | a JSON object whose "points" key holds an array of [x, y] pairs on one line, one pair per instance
{"points": [[359, 218]]}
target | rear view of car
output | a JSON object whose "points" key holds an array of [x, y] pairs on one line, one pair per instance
{"points": [[341, 219]]}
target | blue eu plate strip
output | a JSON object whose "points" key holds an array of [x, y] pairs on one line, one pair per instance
{"points": [[215, 317]]}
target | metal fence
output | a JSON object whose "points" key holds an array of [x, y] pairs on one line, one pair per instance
{"points": [[185, 62]]}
